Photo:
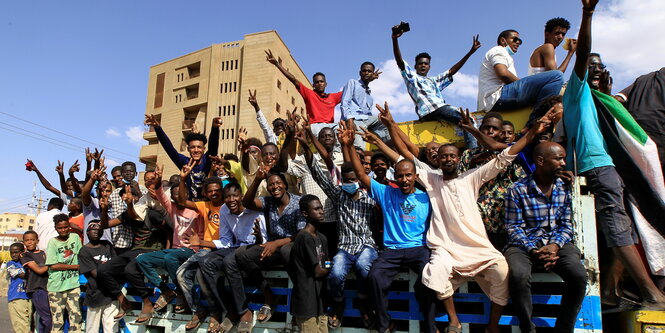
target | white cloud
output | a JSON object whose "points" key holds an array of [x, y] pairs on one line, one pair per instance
{"points": [[625, 34], [390, 87], [112, 133], [135, 135]]}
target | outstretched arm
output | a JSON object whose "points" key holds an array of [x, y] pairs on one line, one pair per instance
{"points": [[271, 59], [75, 183], [61, 176], [584, 38], [467, 125], [474, 47], [249, 200], [43, 180], [213, 138], [539, 127], [396, 51], [375, 140], [347, 135], [182, 188], [400, 140], [151, 120]]}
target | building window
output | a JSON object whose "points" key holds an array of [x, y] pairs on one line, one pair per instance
{"points": [[277, 108], [236, 64], [235, 86], [279, 84], [219, 114], [222, 134], [232, 133], [234, 110], [194, 70], [293, 101], [159, 91]]}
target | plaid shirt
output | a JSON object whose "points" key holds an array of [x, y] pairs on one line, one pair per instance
{"points": [[533, 220], [354, 215], [122, 236], [425, 91], [298, 168]]}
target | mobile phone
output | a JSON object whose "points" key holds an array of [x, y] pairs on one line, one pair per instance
{"points": [[401, 27], [327, 264]]}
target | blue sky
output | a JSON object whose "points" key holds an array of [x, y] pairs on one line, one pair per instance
{"points": [[81, 67]]}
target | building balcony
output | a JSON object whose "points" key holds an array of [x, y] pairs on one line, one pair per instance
{"points": [[148, 153]]}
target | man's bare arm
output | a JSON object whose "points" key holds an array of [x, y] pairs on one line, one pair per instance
{"points": [[504, 74]]}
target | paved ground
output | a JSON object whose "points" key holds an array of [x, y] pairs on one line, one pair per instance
{"points": [[5, 325]]}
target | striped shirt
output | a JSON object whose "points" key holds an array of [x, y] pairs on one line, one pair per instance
{"points": [[298, 168], [533, 220], [426, 92], [353, 226]]}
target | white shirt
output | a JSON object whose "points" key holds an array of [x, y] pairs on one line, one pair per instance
{"points": [[236, 230], [489, 84], [45, 228]]}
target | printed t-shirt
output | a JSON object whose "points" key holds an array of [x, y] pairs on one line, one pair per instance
{"points": [[210, 214], [63, 252], [89, 259], [406, 217], [16, 287]]}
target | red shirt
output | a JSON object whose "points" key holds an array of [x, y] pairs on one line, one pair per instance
{"points": [[319, 109], [79, 222]]}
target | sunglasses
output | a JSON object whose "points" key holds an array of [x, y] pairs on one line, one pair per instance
{"points": [[517, 40], [597, 66]]}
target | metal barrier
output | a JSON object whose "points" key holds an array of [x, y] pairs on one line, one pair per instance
{"points": [[473, 307]]}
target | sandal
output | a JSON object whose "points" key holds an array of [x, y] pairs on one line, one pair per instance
{"points": [[213, 325], [195, 322], [143, 318], [122, 311], [334, 322], [164, 300], [453, 329], [265, 310], [245, 327], [226, 326]]}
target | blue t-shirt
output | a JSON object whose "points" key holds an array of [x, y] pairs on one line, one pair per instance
{"points": [[405, 217], [16, 288], [580, 120]]}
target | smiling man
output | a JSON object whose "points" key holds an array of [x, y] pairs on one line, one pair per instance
{"points": [[499, 87]]}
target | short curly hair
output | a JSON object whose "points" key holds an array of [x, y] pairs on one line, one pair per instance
{"points": [[557, 22]]}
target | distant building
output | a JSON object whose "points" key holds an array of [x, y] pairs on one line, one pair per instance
{"points": [[9, 221], [196, 87]]}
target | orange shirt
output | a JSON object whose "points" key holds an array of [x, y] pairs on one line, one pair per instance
{"points": [[210, 214], [79, 222]]}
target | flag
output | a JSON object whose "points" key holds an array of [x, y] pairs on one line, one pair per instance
{"points": [[635, 157]]}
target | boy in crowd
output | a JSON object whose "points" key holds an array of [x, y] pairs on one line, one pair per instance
{"points": [[101, 307], [91, 205], [36, 277], [63, 278], [19, 305], [308, 267], [209, 211], [196, 145], [356, 247], [427, 92], [543, 57], [184, 221]]}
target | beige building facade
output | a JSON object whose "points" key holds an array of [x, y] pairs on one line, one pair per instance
{"points": [[193, 89], [11, 221]]}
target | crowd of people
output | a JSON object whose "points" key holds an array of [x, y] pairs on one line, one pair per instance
{"points": [[310, 197]]}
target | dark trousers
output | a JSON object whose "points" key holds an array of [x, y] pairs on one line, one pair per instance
{"points": [[39, 299], [247, 260], [213, 264], [120, 269], [569, 267], [383, 271]]}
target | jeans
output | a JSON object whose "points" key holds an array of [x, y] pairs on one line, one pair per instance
{"points": [[372, 124], [569, 267], [529, 91], [170, 260], [210, 267], [383, 272], [341, 264], [452, 115], [39, 299], [187, 273], [247, 260]]}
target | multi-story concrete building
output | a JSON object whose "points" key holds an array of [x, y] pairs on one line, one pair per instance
{"points": [[214, 82], [11, 221]]}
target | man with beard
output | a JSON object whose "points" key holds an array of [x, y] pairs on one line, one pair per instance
{"points": [[196, 145], [457, 237], [540, 231], [406, 212], [584, 137]]}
